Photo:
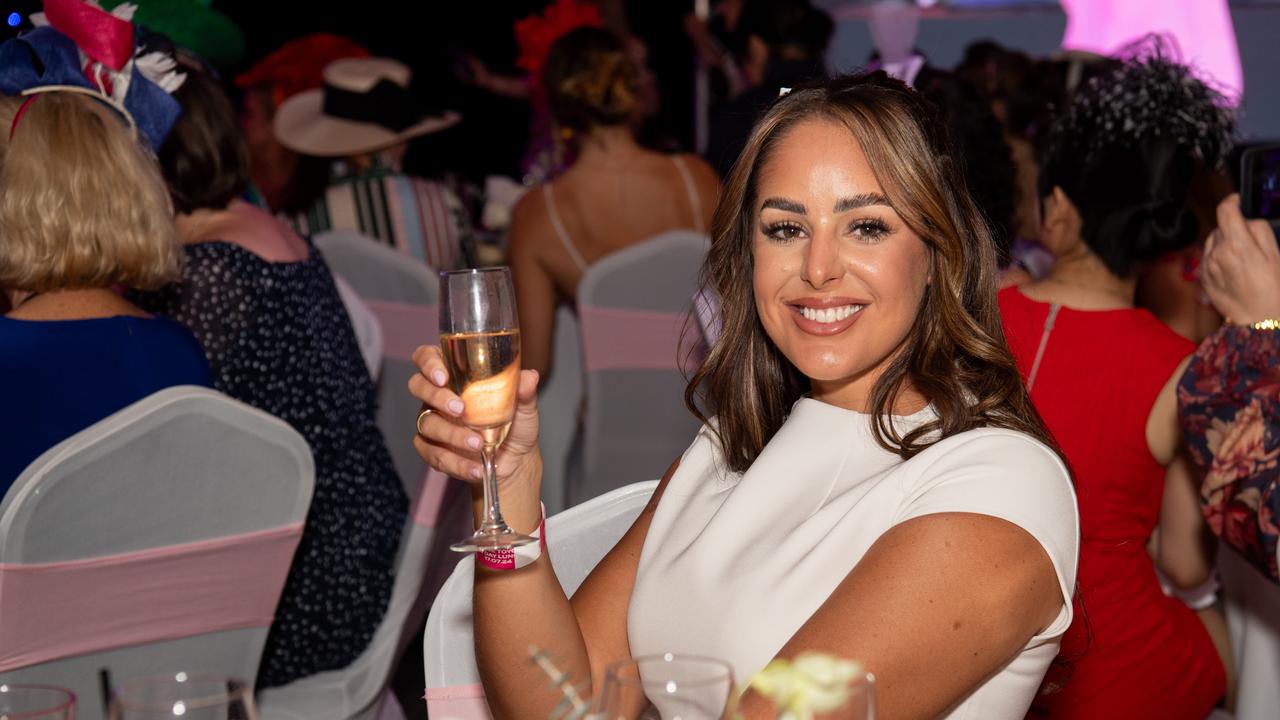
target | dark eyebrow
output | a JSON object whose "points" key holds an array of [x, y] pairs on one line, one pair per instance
{"points": [[784, 205], [861, 201]]}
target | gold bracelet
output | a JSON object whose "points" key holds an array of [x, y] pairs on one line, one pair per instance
{"points": [[1268, 324]]}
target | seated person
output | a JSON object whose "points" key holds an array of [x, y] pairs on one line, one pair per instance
{"points": [[264, 305], [360, 122], [875, 483], [1227, 399], [614, 195], [83, 211]]}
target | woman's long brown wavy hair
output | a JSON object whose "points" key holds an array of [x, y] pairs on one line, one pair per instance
{"points": [[955, 354]]}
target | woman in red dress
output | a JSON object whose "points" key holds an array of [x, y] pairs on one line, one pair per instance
{"points": [[1103, 374]]}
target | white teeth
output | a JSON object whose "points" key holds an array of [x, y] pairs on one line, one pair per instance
{"points": [[829, 315]]}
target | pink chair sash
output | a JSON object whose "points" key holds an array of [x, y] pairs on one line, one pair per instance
{"points": [[426, 512], [462, 702], [405, 327], [63, 609], [618, 339]]}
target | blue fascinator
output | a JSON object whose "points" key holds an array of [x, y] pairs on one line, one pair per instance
{"points": [[81, 48]]}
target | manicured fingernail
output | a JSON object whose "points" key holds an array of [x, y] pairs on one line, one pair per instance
{"points": [[455, 407], [438, 377], [475, 473], [473, 442]]}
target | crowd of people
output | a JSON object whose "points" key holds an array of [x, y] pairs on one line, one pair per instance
{"points": [[996, 368]]}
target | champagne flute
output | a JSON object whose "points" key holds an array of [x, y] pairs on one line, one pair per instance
{"points": [[480, 340], [183, 695], [36, 702], [667, 687]]}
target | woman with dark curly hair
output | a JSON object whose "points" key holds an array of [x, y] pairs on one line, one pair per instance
{"points": [[874, 482], [1104, 374]]}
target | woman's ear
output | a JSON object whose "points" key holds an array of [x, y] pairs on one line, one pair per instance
{"points": [[1060, 222]]}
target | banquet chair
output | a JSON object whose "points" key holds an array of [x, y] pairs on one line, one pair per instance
{"points": [[576, 540], [402, 293], [1253, 619], [156, 540], [559, 403], [639, 341]]}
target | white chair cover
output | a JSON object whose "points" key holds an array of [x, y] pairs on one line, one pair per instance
{"points": [[639, 341], [185, 476], [1253, 618], [367, 326], [403, 294], [576, 540], [559, 404]]}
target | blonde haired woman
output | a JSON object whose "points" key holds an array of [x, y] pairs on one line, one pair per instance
{"points": [[83, 211], [615, 194]]}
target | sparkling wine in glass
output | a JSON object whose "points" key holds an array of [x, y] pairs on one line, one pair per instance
{"points": [[36, 702], [183, 695], [480, 339], [667, 687]]}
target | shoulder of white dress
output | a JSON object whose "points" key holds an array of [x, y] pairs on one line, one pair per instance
{"points": [[995, 446]]}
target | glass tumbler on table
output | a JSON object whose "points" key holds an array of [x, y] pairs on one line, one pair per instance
{"points": [[183, 695], [36, 702], [667, 687], [480, 340]]}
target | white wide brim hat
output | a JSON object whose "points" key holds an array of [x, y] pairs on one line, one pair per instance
{"points": [[302, 125]]}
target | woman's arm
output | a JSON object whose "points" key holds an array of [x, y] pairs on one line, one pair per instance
{"points": [[535, 288], [937, 604], [518, 609], [1182, 541], [981, 557], [708, 185], [526, 608]]}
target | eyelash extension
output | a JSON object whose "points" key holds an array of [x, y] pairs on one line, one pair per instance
{"points": [[773, 230], [870, 228]]}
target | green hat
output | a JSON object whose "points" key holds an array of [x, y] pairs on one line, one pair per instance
{"points": [[194, 25]]}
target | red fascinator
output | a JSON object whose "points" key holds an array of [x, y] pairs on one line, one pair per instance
{"points": [[537, 33], [298, 65]]}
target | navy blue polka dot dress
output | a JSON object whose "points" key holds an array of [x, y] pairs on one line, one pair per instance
{"points": [[278, 338]]}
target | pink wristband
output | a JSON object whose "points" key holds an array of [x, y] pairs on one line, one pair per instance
{"points": [[518, 557]]}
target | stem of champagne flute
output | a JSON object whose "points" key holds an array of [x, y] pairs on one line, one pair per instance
{"points": [[493, 514]]}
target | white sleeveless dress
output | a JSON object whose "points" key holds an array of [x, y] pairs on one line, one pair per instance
{"points": [[735, 563]]}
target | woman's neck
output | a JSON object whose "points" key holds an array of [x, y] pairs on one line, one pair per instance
{"points": [[203, 223], [608, 145], [73, 304], [1080, 280]]}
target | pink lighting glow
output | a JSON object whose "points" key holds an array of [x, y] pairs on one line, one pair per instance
{"points": [[1202, 29]]}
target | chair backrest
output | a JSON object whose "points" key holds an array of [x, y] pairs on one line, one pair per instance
{"points": [[155, 540], [1253, 618], [356, 692], [639, 340], [559, 405], [403, 294], [576, 541]]}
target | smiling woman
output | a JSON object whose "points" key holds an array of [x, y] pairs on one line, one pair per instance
{"points": [[847, 202], [873, 484]]}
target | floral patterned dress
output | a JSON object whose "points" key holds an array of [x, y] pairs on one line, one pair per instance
{"points": [[1229, 403]]}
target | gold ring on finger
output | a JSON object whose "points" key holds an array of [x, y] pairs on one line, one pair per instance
{"points": [[421, 417]]}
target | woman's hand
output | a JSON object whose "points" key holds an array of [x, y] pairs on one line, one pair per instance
{"points": [[1241, 269], [450, 447]]}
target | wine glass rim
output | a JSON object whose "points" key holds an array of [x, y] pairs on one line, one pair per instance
{"points": [[68, 700], [241, 691], [671, 658], [475, 271]]}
